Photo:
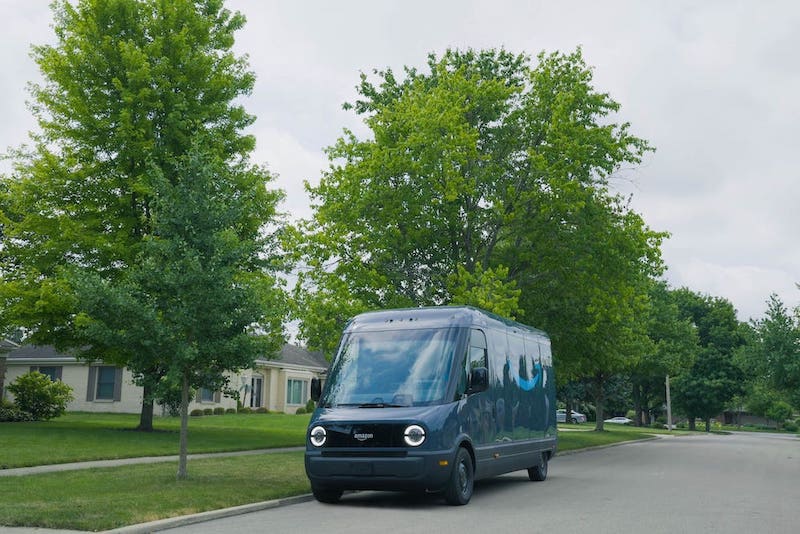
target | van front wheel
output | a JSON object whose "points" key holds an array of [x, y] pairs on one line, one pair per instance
{"points": [[538, 473], [326, 495], [459, 488]]}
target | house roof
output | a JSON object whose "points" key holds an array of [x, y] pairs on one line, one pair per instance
{"points": [[38, 352], [7, 345], [294, 355], [290, 355]]}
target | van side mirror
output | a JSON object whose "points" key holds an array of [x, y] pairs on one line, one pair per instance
{"points": [[478, 380], [316, 389]]}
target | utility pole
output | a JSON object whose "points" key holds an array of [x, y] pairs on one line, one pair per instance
{"points": [[669, 408]]}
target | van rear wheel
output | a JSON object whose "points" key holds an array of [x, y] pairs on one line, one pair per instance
{"points": [[462, 481], [326, 495], [538, 473]]}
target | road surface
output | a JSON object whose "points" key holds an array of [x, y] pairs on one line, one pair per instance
{"points": [[708, 483]]}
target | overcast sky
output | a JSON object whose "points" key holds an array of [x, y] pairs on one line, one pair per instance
{"points": [[714, 86]]}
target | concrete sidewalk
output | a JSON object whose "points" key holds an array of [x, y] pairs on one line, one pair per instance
{"points": [[53, 468]]}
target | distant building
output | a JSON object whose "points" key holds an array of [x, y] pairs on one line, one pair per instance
{"points": [[282, 384], [5, 347]]}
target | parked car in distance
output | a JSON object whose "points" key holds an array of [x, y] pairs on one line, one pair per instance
{"points": [[574, 417], [619, 421]]}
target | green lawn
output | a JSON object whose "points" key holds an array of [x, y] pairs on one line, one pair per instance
{"points": [[582, 436], [98, 499], [87, 436]]}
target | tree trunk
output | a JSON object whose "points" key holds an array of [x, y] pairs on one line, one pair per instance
{"points": [[184, 439], [637, 405], [600, 399], [146, 415], [692, 426], [708, 424], [2, 375]]}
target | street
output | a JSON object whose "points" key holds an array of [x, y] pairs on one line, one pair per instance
{"points": [[704, 483]]}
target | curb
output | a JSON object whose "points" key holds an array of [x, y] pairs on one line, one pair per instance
{"points": [[180, 521], [610, 445]]}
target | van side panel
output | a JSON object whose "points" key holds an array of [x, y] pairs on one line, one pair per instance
{"points": [[522, 395]]}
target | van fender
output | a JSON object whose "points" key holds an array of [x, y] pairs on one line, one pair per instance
{"points": [[463, 440]]}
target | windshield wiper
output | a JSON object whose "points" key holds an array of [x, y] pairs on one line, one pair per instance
{"points": [[380, 405]]}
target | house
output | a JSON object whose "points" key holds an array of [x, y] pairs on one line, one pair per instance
{"points": [[5, 347], [282, 384]]}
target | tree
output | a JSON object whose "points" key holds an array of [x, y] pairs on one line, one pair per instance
{"points": [[129, 88], [714, 378], [675, 345], [777, 347], [482, 166]]}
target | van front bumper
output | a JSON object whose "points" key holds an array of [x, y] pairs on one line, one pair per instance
{"points": [[383, 469]]}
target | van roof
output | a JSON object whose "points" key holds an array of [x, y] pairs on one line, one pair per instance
{"points": [[434, 317]]}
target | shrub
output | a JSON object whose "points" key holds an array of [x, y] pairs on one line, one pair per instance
{"points": [[779, 412], [36, 394], [245, 410], [310, 406], [196, 413], [300, 411], [230, 410], [262, 410], [656, 424], [208, 411], [14, 415], [219, 410], [790, 426]]}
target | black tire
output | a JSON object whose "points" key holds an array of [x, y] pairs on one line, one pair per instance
{"points": [[573, 421], [327, 495], [462, 480], [538, 473]]}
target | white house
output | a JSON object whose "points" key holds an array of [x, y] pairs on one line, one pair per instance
{"points": [[282, 384]]}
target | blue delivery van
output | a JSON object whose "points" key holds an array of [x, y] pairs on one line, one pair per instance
{"points": [[432, 399]]}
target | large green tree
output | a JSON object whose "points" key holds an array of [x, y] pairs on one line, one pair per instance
{"points": [[771, 358], [198, 282], [715, 378], [129, 88], [675, 347], [484, 181], [777, 347]]}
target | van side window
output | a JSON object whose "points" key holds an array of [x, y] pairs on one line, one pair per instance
{"points": [[476, 357], [477, 350]]}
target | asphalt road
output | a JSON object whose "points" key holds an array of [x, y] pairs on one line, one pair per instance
{"points": [[743, 482]]}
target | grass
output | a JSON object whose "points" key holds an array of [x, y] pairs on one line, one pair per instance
{"points": [[98, 499], [90, 436], [568, 441]]}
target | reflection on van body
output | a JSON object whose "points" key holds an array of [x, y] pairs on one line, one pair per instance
{"points": [[432, 399]]}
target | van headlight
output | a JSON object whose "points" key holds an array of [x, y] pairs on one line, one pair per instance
{"points": [[318, 436], [414, 435]]}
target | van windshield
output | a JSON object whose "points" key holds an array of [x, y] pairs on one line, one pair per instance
{"points": [[392, 368]]}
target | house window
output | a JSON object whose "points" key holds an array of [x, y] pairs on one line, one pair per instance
{"points": [[53, 371], [106, 380], [105, 383], [296, 392], [206, 395], [256, 385]]}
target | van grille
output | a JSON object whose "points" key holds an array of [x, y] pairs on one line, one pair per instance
{"points": [[365, 435]]}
